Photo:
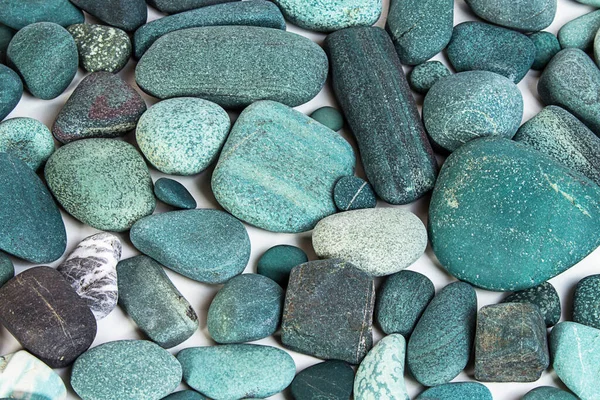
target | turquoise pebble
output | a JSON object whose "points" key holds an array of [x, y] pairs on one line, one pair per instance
{"points": [[330, 117], [457, 390], [277, 262], [6, 35], [11, 90], [27, 139], [185, 395], [593, 3], [7, 269], [544, 297], [126, 15], [546, 47], [586, 302], [548, 393], [173, 193], [353, 193], [329, 380], [24, 376], [521, 15], [177, 6], [424, 76], [19, 13], [101, 48], [580, 32]]}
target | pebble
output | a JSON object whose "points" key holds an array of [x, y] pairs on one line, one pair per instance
{"points": [[586, 302], [11, 90], [104, 183], [263, 179], [424, 76], [277, 262], [27, 139], [328, 311], [228, 65], [548, 393], [123, 14], [6, 35], [457, 390], [593, 3], [329, 380], [405, 168], [182, 136], [597, 48], [353, 193], [544, 297], [440, 345], [237, 371], [379, 241], [511, 343], [45, 56], [481, 46], [39, 308], [207, 245], [477, 209], [546, 47], [91, 271], [177, 6], [470, 105], [185, 395], [580, 32], [330, 117], [7, 269], [247, 308], [101, 48], [401, 300], [125, 369], [173, 193], [17, 14], [520, 15]]}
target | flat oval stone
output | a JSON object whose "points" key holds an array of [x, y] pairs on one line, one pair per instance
{"points": [[174, 194], [470, 105], [425, 75], [45, 56], [521, 15], [480, 46], [177, 6], [379, 241], [548, 393], [123, 14], [101, 48], [6, 35], [544, 297], [546, 47], [477, 210], [102, 182], [11, 90], [329, 380], [457, 390], [586, 302], [19, 13], [353, 193], [39, 308], [237, 371], [440, 346], [136, 370], [247, 308], [580, 32], [277, 262], [185, 395], [330, 117], [27, 139], [262, 178], [182, 136], [7, 269], [205, 245]]}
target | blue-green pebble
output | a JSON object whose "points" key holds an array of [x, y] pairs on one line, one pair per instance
{"points": [[6, 35], [457, 390], [330, 117], [593, 3], [277, 262], [580, 32], [19, 13], [123, 14], [521, 15], [329, 380], [548, 393], [177, 6], [11, 90], [185, 395], [586, 302], [546, 47], [27, 139], [353, 193], [7, 269], [544, 297], [173, 193], [425, 75]]}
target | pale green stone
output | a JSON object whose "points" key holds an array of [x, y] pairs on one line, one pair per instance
{"points": [[27, 139]]}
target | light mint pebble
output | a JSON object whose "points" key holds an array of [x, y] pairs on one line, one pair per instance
{"points": [[27, 139], [425, 75], [580, 32]]}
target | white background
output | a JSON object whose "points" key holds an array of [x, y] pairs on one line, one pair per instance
{"points": [[118, 326]]}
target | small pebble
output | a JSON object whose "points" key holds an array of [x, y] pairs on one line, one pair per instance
{"points": [[456, 391], [548, 393], [101, 48], [544, 297], [586, 302], [6, 35], [11, 90], [546, 47], [330, 117], [27, 139], [7, 269], [580, 32], [123, 14], [329, 380], [521, 15], [185, 395], [424, 76], [353, 193], [277, 262], [177, 6], [19, 13], [173, 193]]}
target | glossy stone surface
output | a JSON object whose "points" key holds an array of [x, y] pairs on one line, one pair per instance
{"points": [[580, 32], [101, 48], [22, 376], [330, 117], [277, 262], [7, 269], [19, 13], [27, 139], [177, 6], [457, 390], [6, 35], [122, 14], [329, 380], [548, 393], [185, 395], [586, 302], [546, 47], [521, 15], [173, 193], [11, 90], [424, 76], [353, 193], [544, 297]]}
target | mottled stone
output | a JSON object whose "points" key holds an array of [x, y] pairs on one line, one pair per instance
{"points": [[185, 395], [101, 48], [580, 32], [521, 15], [205, 245], [27, 139], [548, 393], [353, 193], [173, 193], [329, 380], [177, 6], [124, 14], [544, 297], [457, 390], [6, 35], [440, 345], [330, 117], [277, 262], [22, 376], [424, 76], [546, 47], [11, 90], [7, 269], [586, 302], [396, 155], [19, 13]]}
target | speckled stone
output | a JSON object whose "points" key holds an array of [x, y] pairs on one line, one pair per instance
{"points": [[227, 65], [470, 105], [7, 269], [11, 90], [45, 56], [277, 262], [440, 346], [401, 300], [353, 193], [457, 390], [580, 32], [205, 245], [330, 117], [27, 139], [546, 47], [19, 13], [544, 297], [185, 395], [329, 380], [123, 14], [6, 35], [477, 210], [521, 15], [267, 174], [182, 136], [178, 6], [341, 298], [548, 393], [136, 370], [237, 371], [173, 193], [424, 76], [480, 46], [396, 155], [586, 302], [101, 48]]}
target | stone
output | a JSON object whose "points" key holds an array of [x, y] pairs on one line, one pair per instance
{"points": [[177, 6], [353, 193], [101, 48], [11, 90], [17, 14], [104, 183], [330, 117], [424, 76], [31, 226], [247, 308], [586, 302], [457, 390], [45, 56], [511, 343], [6, 35], [41, 310], [185, 395], [597, 48], [22, 376], [277, 262], [477, 209], [136, 370], [91, 271], [237, 371], [440, 345], [477, 46], [227, 65], [548, 393], [594, 3], [520, 15], [7, 269], [580, 32], [401, 300], [381, 373], [149, 297], [379, 241], [182, 136], [420, 29], [173, 193], [205, 245], [469, 105], [123, 14], [27, 139], [546, 47], [263, 179], [328, 311], [544, 297], [396, 155], [329, 380]]}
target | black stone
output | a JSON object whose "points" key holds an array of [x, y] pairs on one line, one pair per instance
{"points": [[329, 380]]}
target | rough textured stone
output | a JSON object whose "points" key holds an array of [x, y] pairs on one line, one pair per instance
{"points": [[457, 390], [185, 395], [580, 32], [330, 117], [11, 90], [22, 376], [7, 269], [586, 302], [27, 139], [353, 193], [19, 13], [6, 35], [124, 14], [101, 48], [177, 6], [546, 47], [173, 193], [329, 380], [548, 393], [521, 15], [277, 262], [544, 297], [424, 76]]}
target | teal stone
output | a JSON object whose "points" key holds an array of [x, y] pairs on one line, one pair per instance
{"points": [[593, 3], [6, 35], [420, 28], [246, 309], [477, 209], [205, 245], [7, 269], [23, 376], [123, 14], [520, 15], [18, 14], [586, 302], [546, 47], [11, 90], [177, 6], [544, 297], [580, 32], [185, 395], [470, 105], [27, 139], [424, 76], [548, 393], [101, 48], [252, 13], [125, 369], [237, 371], [353, 193], [267, 174], [457, 390], [330, 117], [440, 345], [401, 300], [329, 380], [277, 262], [228, 65], [173, 193], [597, 47], [479, 46]]}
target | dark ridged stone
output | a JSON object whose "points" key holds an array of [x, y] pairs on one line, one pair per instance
{"points": [[123, 14]]}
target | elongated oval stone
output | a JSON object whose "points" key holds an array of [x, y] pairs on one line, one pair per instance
{"points": [[580, 32], [173, 193], [457, 390], [136, 370], [593, 3], [227, 65], [237, 371], [548, 393], [101, 48], [329, 380], [27, 139], [395, 152], [586, 301], [7, 269], [11, 90], [544, 297], [277, 262], [521, 15], [123, 14], [22, 376], [546, 47], [19, 13], [424, 76], [177, 6]]}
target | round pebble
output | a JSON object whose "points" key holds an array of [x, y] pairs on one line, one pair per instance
{"points": [[11, 90], [353, 193], [425, 75], [330, 117], [277, 262], [546, 47], [586, 302], [173, 193], [27, 139], [101, 48]]}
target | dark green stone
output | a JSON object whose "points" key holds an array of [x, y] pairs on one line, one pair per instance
{"points": [[7, 269], [546, 47], [457, 391], [277, 262], [11, 90], [101, 48], [520, 15], [353, 193], [424, 76], [177, 6], [580, 32], [6, 35], [544, 297], [19, 13], [330, 117], [173, 193], [329, 380], [123, 14], [548, 393], [185, 395], [586, 302]]}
